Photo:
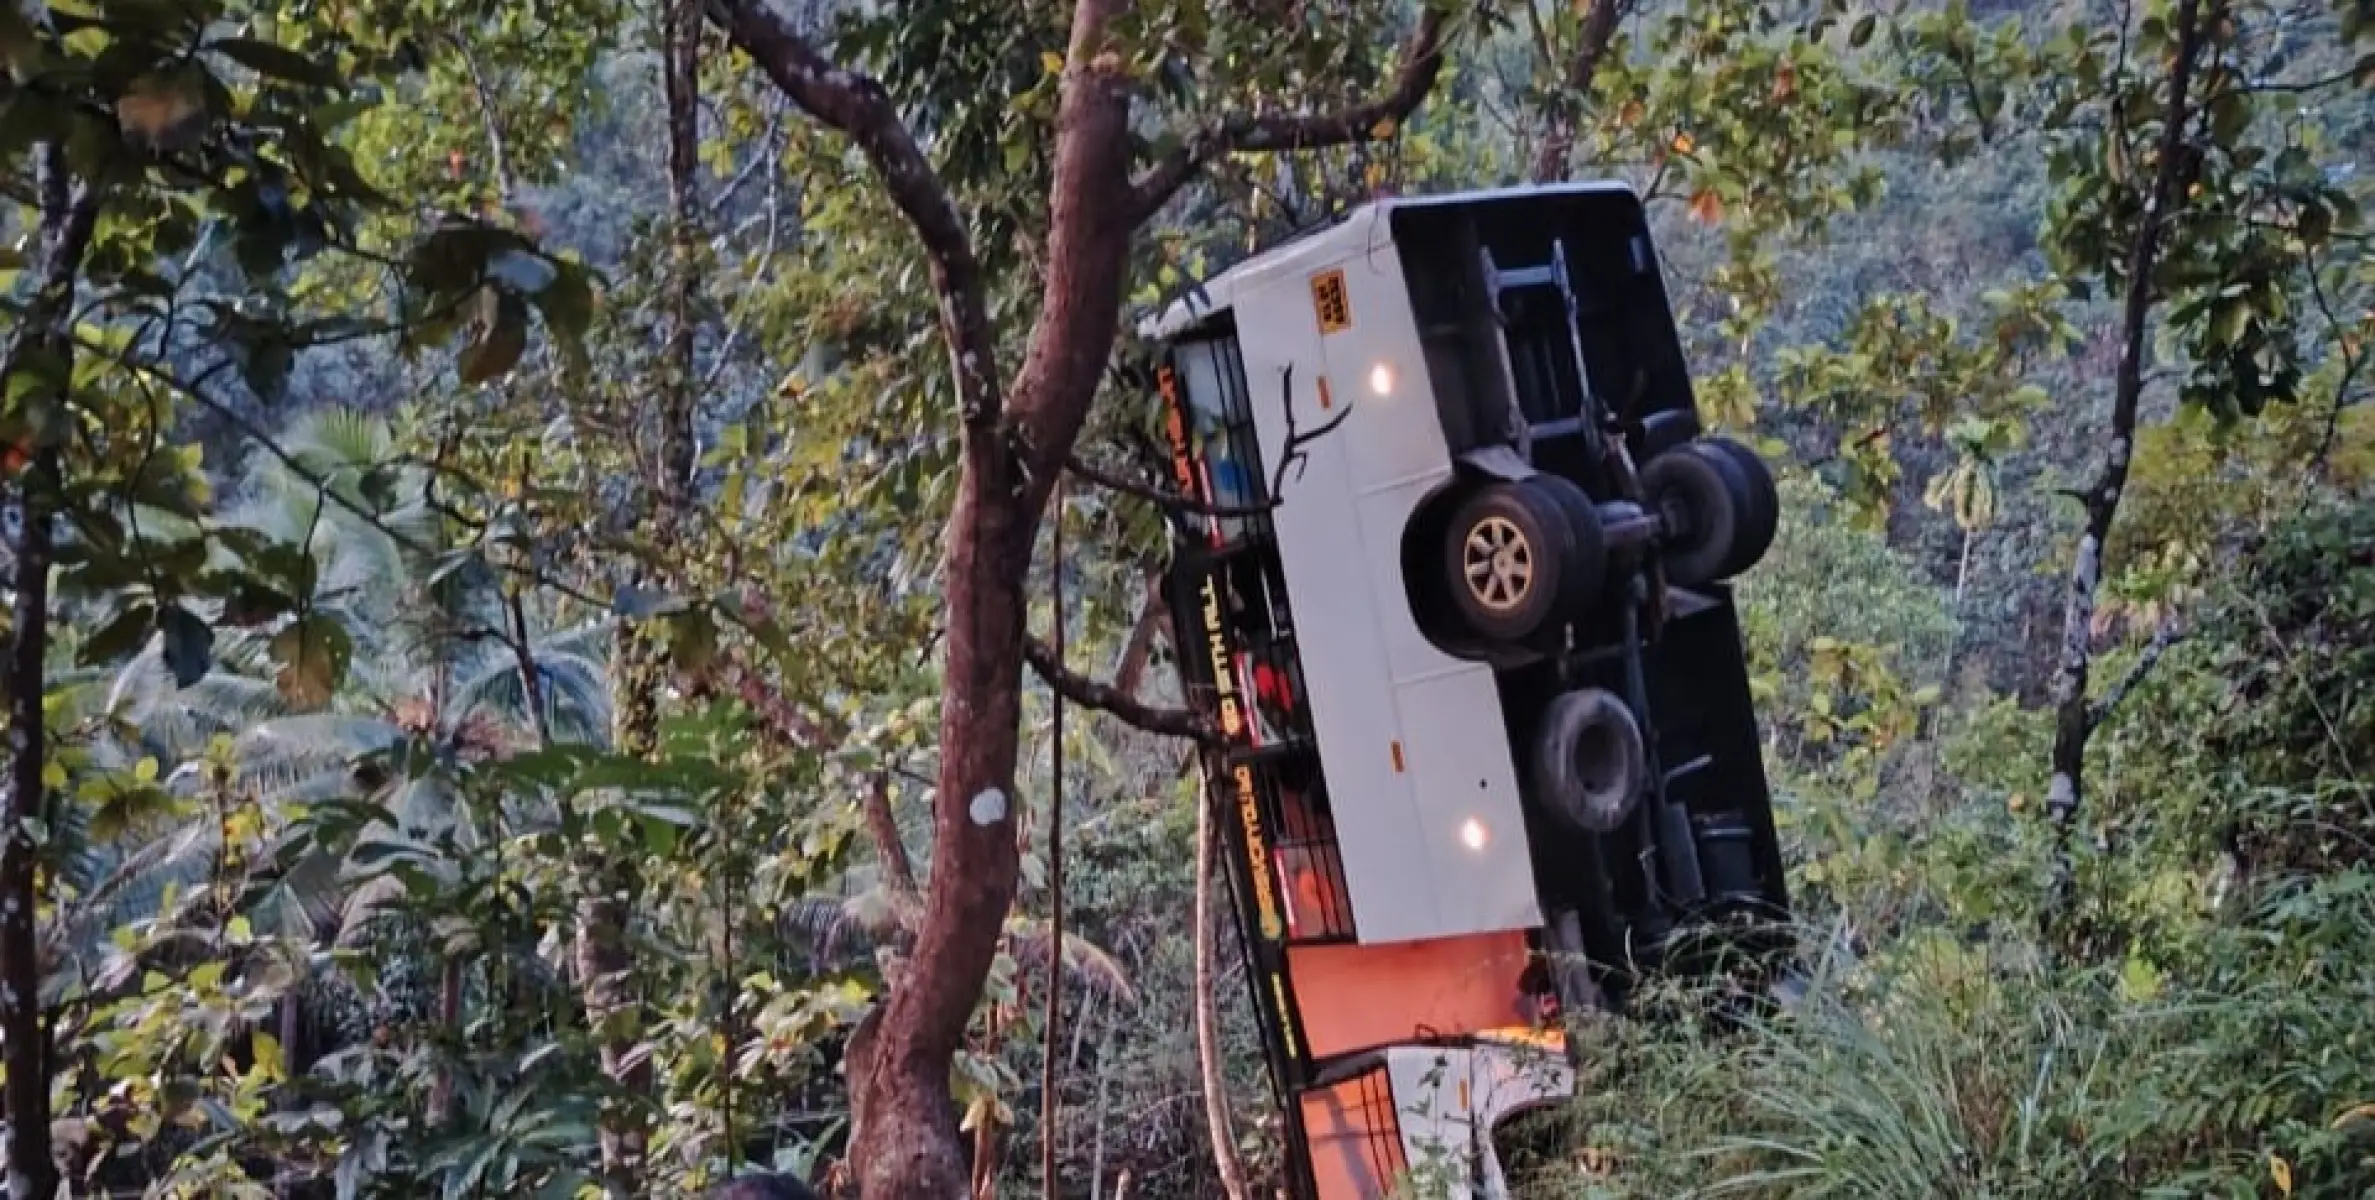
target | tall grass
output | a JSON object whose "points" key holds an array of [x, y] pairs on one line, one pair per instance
{"points": [[1982, 1072]]}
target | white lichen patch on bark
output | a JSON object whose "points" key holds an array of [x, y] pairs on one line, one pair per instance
{"points": [[2062, 793], [989, 807], [2078, 618]]}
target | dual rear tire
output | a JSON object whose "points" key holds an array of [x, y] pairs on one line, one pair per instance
{"points": [[1517, 560], [1719, 508]]}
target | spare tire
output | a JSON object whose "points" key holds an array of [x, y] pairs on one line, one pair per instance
{"points": [[1589, 766]]}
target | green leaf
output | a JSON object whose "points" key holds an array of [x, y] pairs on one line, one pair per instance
{"points": [[277, 61], [251, 603], [189, 645], [313, 654], [120, 636], [567, 302], [1861, 32]]}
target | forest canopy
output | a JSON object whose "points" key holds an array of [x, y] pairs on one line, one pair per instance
{"points": [[584, 614]]}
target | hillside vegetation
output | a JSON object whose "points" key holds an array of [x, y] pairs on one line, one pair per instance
{"points": [[559, 645]]}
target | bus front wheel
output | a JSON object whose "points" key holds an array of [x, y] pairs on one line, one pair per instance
{"points": [[1520, 558]]}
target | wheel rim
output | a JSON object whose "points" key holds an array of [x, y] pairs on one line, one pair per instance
{"points": [[1498, 563]]}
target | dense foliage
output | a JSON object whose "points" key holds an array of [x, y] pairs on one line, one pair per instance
{"points": [[497, 490]]}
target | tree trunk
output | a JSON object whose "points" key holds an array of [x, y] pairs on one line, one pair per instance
{"points": [[604, 957], [69, 212], [911, 1146], [904, 1135], [1552, 159], [31, 1174], [2074, 722], [1208, 1062]]}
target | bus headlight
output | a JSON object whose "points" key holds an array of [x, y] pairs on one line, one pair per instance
{"points": [[1381, 379]]}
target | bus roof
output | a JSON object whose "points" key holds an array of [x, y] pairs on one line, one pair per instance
{"points": [[1361, 230]]}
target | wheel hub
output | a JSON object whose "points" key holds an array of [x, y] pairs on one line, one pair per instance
{"points": [[1498, 563]]}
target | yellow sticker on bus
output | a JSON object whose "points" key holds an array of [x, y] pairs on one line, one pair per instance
{"points": [[1331, 302]]}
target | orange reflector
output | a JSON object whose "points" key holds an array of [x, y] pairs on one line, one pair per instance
{"points": [[1397, 758], [1325, 399]]}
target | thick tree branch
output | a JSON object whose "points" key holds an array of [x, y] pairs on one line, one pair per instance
{"points": [[857, 105], [1422, 62], [2072, 724], [1112, 701]]}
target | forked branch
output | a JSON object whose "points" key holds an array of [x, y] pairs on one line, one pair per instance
{"points": [[1422, 62], [1291, 455]]}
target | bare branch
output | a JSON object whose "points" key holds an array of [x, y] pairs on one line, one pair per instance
{"points": [[2162, 638], [857, 105], [1422, 62], [498, 150], [1121, 706], [1170, 500], [1291, 455]]}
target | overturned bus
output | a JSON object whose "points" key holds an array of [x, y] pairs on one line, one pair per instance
{"points": [[1459, 598]]}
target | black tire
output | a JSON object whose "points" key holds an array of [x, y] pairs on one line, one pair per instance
{"points": [[1587, 551], [1761, 514], [1589, 766], [1667, 430], [1506, 556], [1701, 498]]}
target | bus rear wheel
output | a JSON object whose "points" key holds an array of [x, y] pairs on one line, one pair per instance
{"points": [[1589, 761], [1719, 506], [1521, 558]]}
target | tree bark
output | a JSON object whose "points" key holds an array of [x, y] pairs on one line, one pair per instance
{"points": [[69, 213], [1553, 158], [2074, 720], [1208, 1061]]}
